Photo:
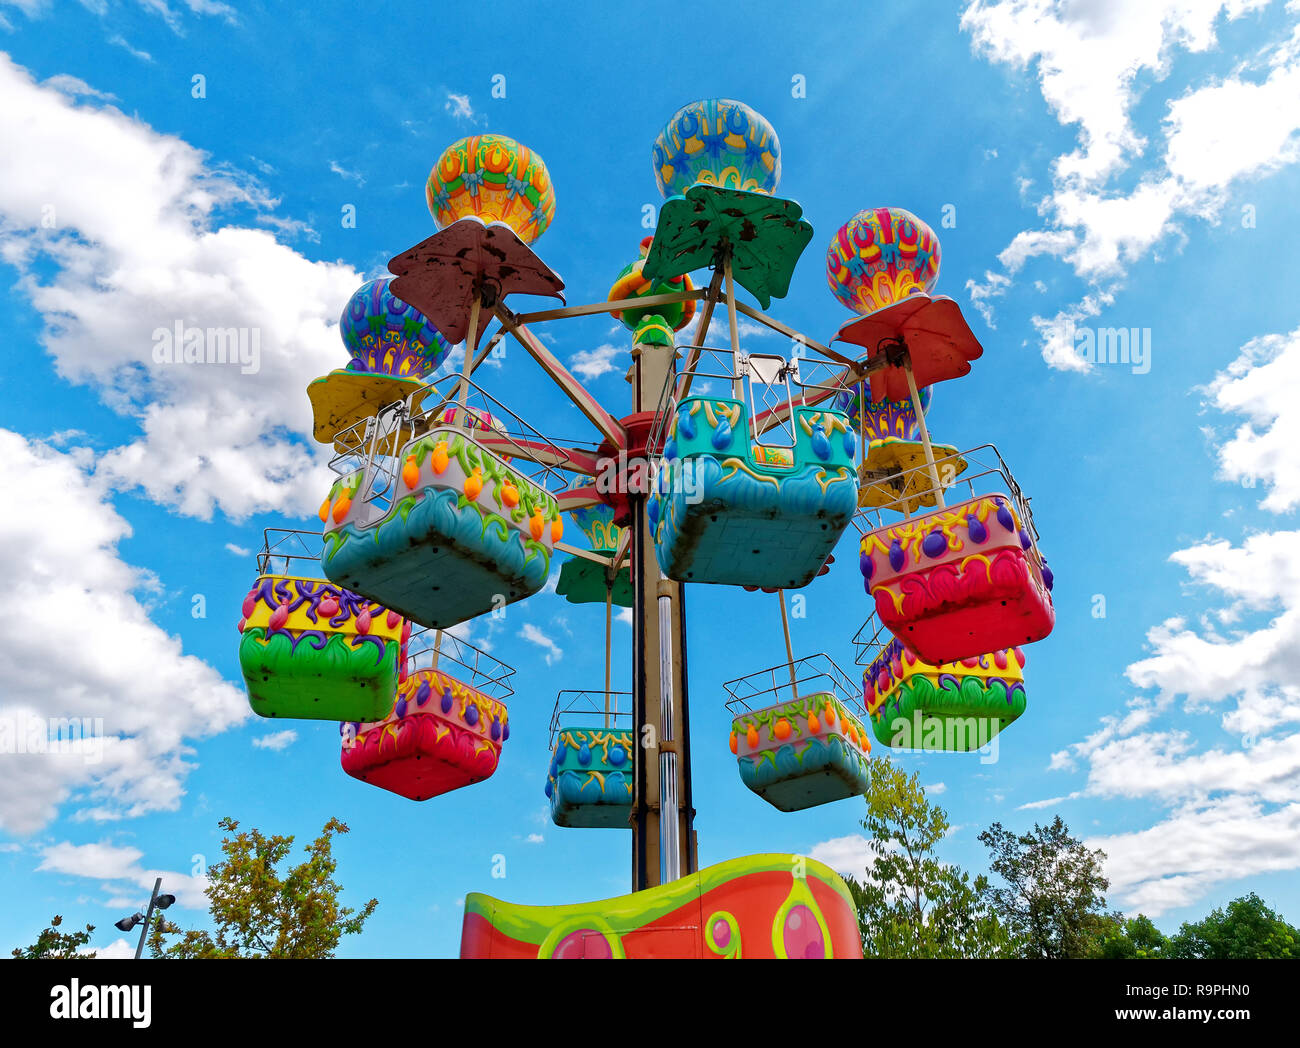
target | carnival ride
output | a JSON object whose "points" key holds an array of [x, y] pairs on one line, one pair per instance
{"points": [[448, 505]]}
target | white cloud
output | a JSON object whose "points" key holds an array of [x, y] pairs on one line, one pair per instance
{"points": [[459, 106], [75, 87], [276, 740], [118, 40], [117, 869], [106, 277], [31, 8], [1231, 796], [1262, 384], [1233, 127], [592, 363], [172, 18], [118, 950], [1094, 61], [59, 559], [238, 551], [1175, 862], [1089, 58], [344, 173], [534, 635], [845, 855], [536, 838]]}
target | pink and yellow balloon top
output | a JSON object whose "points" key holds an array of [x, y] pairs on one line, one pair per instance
{"points": [[879, 257], [494, 179]]}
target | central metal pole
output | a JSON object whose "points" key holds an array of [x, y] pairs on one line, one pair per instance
{"points": [[669, 851], [663, 844], [144, 932]]}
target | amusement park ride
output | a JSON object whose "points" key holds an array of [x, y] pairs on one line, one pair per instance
{"points": [[732, 468]]}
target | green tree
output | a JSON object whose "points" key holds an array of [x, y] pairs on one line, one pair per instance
{"points": [[1133, 939], [1246, 929], [910, 904], [259, 912], [1053, 894], [55, 945]]}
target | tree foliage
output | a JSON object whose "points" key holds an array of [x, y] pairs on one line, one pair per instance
{"points": [[56, 945], [911, 904], [260, 912], [1134, 938], [1245, 929], [1053, 889]]}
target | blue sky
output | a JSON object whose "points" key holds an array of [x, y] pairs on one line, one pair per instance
{"points": [[1106, 166]]}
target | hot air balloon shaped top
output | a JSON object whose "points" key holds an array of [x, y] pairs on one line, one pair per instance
{"points": [[494, 179], [720, 142], [387, 336], [630, 283], [885, 418], [879, 257]]}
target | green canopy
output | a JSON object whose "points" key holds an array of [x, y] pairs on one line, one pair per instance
{"points": [[583, 582], [765, 234]]}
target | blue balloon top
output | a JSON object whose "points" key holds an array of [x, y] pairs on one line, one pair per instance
{"points": [[720, 142], [385, 335]]}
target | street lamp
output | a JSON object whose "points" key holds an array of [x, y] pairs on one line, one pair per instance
{"points": [[127, 923]]}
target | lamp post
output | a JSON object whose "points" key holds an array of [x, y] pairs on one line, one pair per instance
{"points": [[156, 899]]}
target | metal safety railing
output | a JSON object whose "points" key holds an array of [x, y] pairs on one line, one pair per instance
{"points": [[810, 675], [430, 649], [959, 474], [773, 385], [287, 551], [612, 709], [871, 640], [374, 444]]}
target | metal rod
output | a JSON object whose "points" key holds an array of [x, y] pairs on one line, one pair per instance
{"points": [[461, 417], [737, 383], [701, 331], [459, 384], [540, 452], [792, 334], [610, 428], [437, 649], [153, 899], [925, 432], [789, 648], [624, 545], [562, 312], [585, 554]]}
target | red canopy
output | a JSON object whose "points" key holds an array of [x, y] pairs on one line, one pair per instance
{"points": [[937, 336]]}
